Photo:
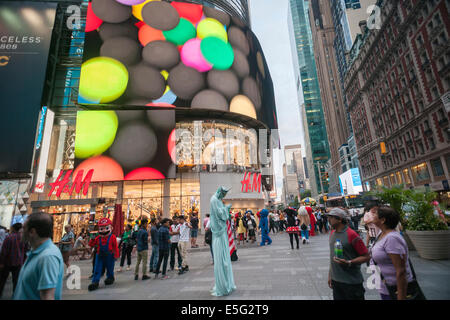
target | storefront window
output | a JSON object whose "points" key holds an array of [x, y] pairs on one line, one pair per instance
{"points": [[191, 204], [152, 189], [133, 208], [420, 173], [108, 190], [379, 182], [393, 182], [399, 177], [175, 206], [132, 189], [407, 176], [152, 206], [386, 181], [438, 170], [175, 187]]}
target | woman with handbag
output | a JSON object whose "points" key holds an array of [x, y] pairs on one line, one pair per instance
{"points": [[127, 243], [390, 255], [292, 226]]}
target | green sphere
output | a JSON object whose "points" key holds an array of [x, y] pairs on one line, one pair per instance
{"points": [[183, 32], [217, 52], [95, 132]]}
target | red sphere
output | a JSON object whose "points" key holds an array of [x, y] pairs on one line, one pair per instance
{"points": [[92, 21]]}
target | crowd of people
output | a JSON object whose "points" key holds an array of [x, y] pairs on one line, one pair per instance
{"points": [[28, 249]]}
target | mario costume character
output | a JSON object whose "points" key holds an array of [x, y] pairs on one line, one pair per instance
{"points": [[107, 251], [264, 226]]}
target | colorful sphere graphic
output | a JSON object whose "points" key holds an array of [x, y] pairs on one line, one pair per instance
{"points": [[148, 34], [192, 56], [92, 21], [105, 169], [183, 32], [103, 80], [217, 52], [189, 11], [95, 132], [136, 10], [243, 105], [144, 174], [130, 2], [210, 27]]}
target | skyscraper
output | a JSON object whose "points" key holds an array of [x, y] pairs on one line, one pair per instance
{"points": [[303, 55]]}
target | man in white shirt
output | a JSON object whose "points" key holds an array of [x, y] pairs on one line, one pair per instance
{"points": [[183, 242], [174, 231]]}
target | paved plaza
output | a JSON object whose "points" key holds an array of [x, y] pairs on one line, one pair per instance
{"points": [[261, 273]]}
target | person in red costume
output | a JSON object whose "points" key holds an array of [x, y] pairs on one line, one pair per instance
{"points": [[312, 218], [107, 251]]}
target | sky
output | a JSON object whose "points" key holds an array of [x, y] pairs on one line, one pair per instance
{"points": [[269, 21]]}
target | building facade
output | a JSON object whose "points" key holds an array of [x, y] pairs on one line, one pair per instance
{"points": [[394, 87], [211, 160], [323, 35], [303, 56]]}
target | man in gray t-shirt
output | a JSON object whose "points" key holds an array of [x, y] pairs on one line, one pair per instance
{"points": [[345, 277]]}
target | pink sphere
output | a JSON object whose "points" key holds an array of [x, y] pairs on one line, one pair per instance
{"points": [[144, 174], [192, 56]]}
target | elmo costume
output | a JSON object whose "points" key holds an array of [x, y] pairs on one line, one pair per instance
{"points": [[107, 251], [313, 220]]}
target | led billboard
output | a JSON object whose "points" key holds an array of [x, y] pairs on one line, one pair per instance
{"points": [[157, 53]]}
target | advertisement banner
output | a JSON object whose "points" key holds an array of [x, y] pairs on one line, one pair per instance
{"points": [[25, 36], [158, 54]]}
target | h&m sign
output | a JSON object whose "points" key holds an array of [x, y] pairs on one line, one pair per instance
{"points": [[251, 182], [62, 183]]}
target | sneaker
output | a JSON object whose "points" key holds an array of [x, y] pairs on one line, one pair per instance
{"points": [[181, 271], [128, 268], [136, 277], [304, 240], [307, 241], [156, 276], [145, 277], [91, 276], [186, 268], [120, 269], [165, 278]]}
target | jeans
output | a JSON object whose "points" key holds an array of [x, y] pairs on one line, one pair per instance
{"points": [[344, 291], [305, 234], [102, 261], [4, 276], [163, 255], [154, 257], [142, 256], [126, 252], [173, 249]]}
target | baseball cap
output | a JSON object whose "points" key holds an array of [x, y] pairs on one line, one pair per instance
{"points": [[337, 212]]}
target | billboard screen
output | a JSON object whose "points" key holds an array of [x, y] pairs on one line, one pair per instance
{"points": [[25, 36], [159, 53], [350, 182], [125, 144]]}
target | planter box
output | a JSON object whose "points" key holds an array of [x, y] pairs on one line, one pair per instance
{"points": [[408, 242], [432, 245]]}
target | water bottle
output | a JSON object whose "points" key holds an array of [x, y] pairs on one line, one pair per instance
{"points": [[338, 250]]}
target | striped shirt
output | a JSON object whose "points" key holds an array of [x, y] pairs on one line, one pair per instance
{"points": [[13, 251]]}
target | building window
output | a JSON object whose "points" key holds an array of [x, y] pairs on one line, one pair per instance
{"points": [[386, 181], [406, 176], [399, 177], [436, 166], [420, 173]]}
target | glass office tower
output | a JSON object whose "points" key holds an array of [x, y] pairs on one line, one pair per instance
{"points": [[318, 139]]}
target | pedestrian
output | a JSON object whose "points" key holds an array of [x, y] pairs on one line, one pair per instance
{"points": [[12, 256], [66, 244], [292, 226], [127, 243], [240, 228], [250, 224], [282, 221], [164, 248], [41, 276], [319, 220], [142, 251], [154, 242], [205, 222], [174, 231], [390, 254], [81, 245], [208, 238], [372, 230], [312, 219], [183, 243], [271, 222], [194, 231], [304, 223], [264, 226], [276, 220], [324, 220], [345, 277], [2, 236]]}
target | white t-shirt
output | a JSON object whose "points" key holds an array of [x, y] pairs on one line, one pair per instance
{"points": [[176, 237], [78, 243], [184, 233]]}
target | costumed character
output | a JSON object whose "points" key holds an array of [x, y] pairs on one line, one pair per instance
{"points": [[312, 219], [292, 226], [264, 226], [107, 251], [220, 227]]}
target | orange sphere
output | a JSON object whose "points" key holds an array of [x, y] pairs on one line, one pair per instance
{"points": [[148, 34]]}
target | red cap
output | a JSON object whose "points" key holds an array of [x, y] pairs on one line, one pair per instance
{"points": [[104, 222]]}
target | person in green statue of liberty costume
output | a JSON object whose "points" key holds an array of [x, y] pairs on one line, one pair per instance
{"points": [[223, 273]]}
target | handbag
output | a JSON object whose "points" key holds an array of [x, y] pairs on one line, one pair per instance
{"points": [[208, 236], [413, 290]]}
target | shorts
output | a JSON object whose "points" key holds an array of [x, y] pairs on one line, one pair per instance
{"points": [[194, 233]]}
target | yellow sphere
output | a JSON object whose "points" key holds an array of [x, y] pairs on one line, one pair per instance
{"points": [[210, 27], [243, 105]]}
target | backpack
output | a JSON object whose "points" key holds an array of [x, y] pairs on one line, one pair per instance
{"points": [[208, 236]]}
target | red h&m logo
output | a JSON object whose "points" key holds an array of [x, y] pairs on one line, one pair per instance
{"points": [[251, 182], [61, 183]]}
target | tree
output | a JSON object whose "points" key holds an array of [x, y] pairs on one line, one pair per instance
{"points": [[294, 203], [305, 194]]}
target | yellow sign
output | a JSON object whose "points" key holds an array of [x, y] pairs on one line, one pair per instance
{"points": [[383, 147], [4, 60]]}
